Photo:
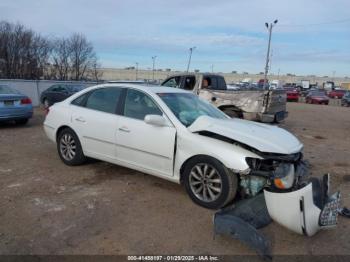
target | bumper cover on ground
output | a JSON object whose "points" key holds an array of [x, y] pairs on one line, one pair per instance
{"points": [[304, 211]]}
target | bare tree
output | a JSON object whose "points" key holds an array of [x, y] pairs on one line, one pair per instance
{"points": [[28, 55], [95, 72], [23, 52], [82, 56], [61, 53]]}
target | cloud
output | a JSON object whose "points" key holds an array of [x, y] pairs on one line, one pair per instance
{"points": [[225, 31]]}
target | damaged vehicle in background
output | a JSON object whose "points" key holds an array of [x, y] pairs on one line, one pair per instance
{"points": [[173, 134], [251, 103]]}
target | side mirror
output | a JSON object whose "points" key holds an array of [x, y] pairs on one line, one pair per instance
{"points": [[155, 120]]}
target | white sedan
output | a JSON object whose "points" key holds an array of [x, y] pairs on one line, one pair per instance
{"points": [[173, 134]]}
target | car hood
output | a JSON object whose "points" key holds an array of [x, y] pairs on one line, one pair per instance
{"points": [[265, 138]]}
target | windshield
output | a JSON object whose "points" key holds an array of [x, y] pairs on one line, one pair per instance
{"points": [[188, 107], [7, 90]]}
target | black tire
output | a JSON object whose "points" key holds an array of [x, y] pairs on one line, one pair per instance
{"points": [[21, 121], [229, 182], [78, 158], [232, 113]]}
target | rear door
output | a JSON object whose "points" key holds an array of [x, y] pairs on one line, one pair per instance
{"points": [[140, 144], [95, 119]]}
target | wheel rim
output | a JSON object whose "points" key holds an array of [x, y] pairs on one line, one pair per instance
{"points": [[205, 182], [67, 147], [46, 103]]}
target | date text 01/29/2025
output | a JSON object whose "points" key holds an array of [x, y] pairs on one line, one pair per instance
{"points": [[173, 258]]}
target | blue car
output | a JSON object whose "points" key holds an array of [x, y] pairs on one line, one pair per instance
{"points": [[14, 106]]}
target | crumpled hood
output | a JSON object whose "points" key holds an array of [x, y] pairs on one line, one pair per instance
{"points": [[265, 138]]}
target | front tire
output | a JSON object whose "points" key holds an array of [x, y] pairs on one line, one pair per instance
{"points": [[69, 148], [209, 183]]}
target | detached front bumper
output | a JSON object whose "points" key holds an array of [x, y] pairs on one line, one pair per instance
{"points": [[306, 210]]}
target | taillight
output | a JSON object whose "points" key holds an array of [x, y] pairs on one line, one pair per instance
{"points": [[26, 101]]}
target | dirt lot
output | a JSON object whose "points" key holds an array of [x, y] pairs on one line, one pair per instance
{"points": [[99, 208]]}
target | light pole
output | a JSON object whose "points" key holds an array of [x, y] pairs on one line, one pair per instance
{"points": [[154, 61], [269, 27], [137, 69], [212, 68], [189, 59]]}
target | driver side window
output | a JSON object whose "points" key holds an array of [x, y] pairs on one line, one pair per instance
{"points": [[138, 105]]}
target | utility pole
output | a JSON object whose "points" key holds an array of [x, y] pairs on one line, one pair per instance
{"points": [[269, 27], [212, 68], [154, 61], [137, 69], [189, 59]]}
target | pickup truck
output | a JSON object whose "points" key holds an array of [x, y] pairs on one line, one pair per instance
{"points": [[259, 105]]}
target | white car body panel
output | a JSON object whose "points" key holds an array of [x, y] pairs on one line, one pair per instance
{"points": [[284, 208], [150, 147], [96, 131], [265, 138]]}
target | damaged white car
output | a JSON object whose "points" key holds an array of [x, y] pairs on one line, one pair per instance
{"points": [[172, 134]]}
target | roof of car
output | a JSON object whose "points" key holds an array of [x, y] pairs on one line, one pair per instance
{"points": [[148, 88]]}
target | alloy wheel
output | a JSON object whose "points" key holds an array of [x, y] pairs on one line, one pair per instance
{"points": [[67, 147], [205, 182]]}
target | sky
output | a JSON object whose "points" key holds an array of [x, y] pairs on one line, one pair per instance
{"points": [[311, 37]]}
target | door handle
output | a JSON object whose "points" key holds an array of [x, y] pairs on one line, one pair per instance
{"points": [[80, 119], [124, 129]]}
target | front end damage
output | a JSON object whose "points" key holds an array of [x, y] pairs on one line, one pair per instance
{"points": [[293, 199], [278, 188]]}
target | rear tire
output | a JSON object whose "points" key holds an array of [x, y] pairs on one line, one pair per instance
{"points": [[69, 148], [232, 113], [213, 187]]}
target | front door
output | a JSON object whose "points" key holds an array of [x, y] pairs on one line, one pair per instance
{"points": [[140, 144]]}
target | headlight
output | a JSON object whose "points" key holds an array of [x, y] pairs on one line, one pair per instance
{"points": [[284, 176]]}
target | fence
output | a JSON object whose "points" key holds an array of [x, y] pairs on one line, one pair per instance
{"points": [[34, 88]]}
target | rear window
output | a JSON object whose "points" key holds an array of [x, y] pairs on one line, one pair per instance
{"points": [[7, 90]]}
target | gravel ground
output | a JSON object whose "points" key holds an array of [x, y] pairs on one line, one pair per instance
{"points": [[100, 208]]}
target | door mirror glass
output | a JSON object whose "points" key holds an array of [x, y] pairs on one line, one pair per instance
{"points": [[155, 120]]}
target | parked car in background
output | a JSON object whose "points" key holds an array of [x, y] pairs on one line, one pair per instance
{"points": [[317, 97], [345, 101], [249, 102], [58, 93], [336, 93], [292, 94], [14, 106]]}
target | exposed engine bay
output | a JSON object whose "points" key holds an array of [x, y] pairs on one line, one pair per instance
{"points": [[277, 172]]}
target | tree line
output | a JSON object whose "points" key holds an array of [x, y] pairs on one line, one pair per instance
{"points": [[25, 54]]}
